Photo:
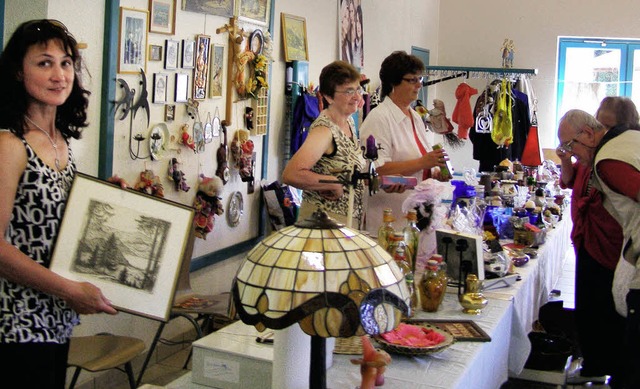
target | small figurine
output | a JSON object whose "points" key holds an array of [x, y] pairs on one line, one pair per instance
{"points": [[186, 139], [179, 180], [150, 184], [372, 364], [248, 118], [207, 204], [508, 51]]}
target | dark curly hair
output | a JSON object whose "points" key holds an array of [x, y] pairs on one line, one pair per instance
{"points": [[397, 65], [71, 116], [335, 74]]}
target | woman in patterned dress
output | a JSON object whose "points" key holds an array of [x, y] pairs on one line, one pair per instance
{"points": [[42, 105], [331, 150]]}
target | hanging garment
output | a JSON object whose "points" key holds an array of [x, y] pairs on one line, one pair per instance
{"points": [[462, 113], [502, 132], [532, 154], [521, 123], [484, 149], [307, 110]]}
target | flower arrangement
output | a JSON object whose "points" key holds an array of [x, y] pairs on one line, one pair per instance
{"points": [[258, 79]]}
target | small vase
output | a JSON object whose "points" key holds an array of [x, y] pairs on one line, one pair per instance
{"points": [[473, 301], [432, 287]]}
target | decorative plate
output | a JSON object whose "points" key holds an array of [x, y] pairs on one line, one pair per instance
{"points": [[235, 209], [417, 351], [158, 140]]}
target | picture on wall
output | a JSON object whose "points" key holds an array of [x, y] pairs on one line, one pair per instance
{"points": [[255, 11], [351, 32], [188, 53], [155, 53], [294, 34], [162, 16], [160, 84], [182, 87], [133, 40], [201, 71], [128, 244], [171, 54], [217, 70], [219, 7]]}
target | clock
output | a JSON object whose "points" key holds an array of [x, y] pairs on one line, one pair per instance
{"points": [[235, 209]]}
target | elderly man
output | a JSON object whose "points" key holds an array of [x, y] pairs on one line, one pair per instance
{"points": [[614, 154]]}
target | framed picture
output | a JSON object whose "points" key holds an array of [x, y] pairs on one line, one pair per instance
{"points": [[463, 254], [133, 40], [220, 7], [201, 71], [160, 84], [127, 243], [217, 70], [188, 53], [254, 11], [294, 34], [182, 86], [155, 53], [171, 54], [169, 112], [162, 16], [462, 330]]}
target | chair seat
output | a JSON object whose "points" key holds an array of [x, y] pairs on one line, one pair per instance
{"points": [[102, 352]]}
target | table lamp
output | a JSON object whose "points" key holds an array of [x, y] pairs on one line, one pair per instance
{"points": [[331, 280]]}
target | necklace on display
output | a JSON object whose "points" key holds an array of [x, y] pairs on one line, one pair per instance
{"points": [[54, 141]]}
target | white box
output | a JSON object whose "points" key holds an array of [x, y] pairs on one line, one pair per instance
{"points": [[232, 359]]}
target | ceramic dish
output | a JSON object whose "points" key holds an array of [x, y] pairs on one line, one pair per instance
{"points": [[158, 140], [235, 209], [417, 351]]}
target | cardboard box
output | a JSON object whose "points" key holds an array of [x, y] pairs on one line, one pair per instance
{"points": [[232, 359]]}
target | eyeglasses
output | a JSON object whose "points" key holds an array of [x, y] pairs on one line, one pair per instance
{"points": [[414, 80], [350, 92], [46, 24], [567, 147]]}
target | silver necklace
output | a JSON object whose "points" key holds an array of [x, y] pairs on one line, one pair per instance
{"points": [[54, 141]]}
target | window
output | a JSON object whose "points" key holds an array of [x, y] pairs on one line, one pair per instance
{"points": [[591, 69]]}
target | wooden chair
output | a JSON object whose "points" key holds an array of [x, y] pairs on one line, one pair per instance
{"points": [[103, 352]]}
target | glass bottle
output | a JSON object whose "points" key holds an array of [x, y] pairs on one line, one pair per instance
{"points": [[442, 267], [400, 258], [396, 240], [386, 230], [411, 236], [432, 287]]}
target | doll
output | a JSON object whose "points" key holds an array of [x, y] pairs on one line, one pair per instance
{"points": [[207, 204]]}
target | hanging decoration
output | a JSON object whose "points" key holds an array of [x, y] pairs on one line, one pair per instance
{"points": [[149, 183], [178, 176], [207, 204]]}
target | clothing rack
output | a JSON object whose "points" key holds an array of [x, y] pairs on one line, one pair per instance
{"points": [[450, 72]]}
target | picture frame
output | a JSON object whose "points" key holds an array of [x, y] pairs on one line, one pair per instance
{"points": [[132, 40], [188, 53], [169, 112], [294, 35], [217, 71], [223, 8], [201, 70], [155, 52], [469, 261], [162, 16], [182, 87], [254, 11], [129, 244], [160, 86], [462, 330], [171, 51]]}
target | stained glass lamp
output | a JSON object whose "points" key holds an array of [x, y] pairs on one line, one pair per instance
{"points": [[331, 280]]}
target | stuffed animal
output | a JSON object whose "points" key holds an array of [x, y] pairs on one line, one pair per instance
{"points": [[207, 204]]}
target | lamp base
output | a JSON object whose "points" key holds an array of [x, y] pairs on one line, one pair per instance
{"points": [[318, 367]]}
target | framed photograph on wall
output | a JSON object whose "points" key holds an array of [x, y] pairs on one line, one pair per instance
{"points": [[129, 244], [201, 71], [217, 70], [133, 40], [160, 84], [169, 112], [162, 16], [219, 7], [188, 53], [294, 34], [254, 11], [155, 53], [182, 87], [171, 48]]}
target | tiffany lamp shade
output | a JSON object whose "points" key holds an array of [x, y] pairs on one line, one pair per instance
{"points": [[330, 279]]}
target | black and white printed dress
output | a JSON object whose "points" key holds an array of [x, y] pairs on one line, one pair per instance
{"points": [[27, 315]]}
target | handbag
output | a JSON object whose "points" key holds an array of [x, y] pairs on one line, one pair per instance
{"points": [[502, 131]]}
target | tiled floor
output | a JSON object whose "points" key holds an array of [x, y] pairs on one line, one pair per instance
{"points": [[169, 369]]}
